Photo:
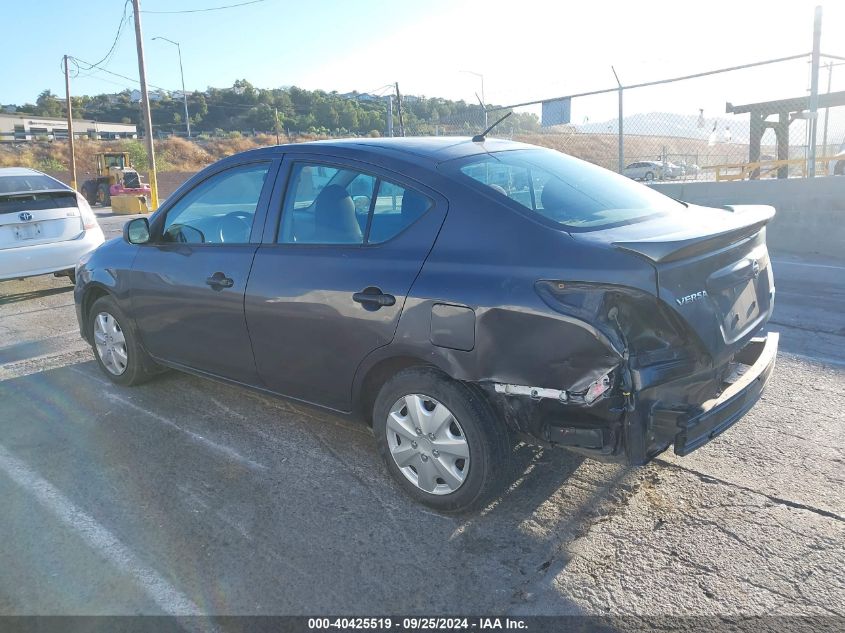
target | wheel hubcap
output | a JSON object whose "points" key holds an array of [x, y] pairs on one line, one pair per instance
{"points": [[110, 343], [427, 444]]}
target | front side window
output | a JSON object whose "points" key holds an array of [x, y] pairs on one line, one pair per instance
{"points": [[333, 205], [219, 210], [565, 190]]}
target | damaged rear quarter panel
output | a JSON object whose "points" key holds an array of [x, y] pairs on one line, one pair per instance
{"points": [[519, 338]]}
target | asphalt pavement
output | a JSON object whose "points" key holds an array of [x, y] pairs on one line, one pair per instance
{"points": [[187, 496]]}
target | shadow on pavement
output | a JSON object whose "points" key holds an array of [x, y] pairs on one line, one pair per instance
{"points": [[30, 295]]}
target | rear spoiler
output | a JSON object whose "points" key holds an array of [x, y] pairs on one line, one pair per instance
{"points": [[745, 221]]}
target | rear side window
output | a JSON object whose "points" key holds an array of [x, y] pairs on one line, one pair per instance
{"points": [[335, 205], [573, 193]]}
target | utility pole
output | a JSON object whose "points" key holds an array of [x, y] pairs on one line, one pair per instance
{"points": [[276, 113], [399, 108], [814, 90], [390, 115], [70, 127], [621, 130], [145, 105]]}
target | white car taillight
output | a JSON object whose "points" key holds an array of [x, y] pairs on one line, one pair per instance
{"points": [[89, 219]]}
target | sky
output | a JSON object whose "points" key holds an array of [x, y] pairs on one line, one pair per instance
{"points": [[526, 50]]}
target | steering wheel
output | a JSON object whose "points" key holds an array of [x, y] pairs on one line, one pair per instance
{"points": [[234, 227], [362, 204]]}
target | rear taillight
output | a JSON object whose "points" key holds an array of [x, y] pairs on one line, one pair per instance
{"points": [[89, 219]]}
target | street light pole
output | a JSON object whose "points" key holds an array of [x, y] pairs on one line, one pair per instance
{"points": [[483, 100], [182, 73]]}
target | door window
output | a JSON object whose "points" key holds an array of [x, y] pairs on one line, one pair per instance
{"points": [[332, 205], [220, 210]]}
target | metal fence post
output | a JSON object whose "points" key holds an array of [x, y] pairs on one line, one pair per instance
{"points": [[621, 126], [814, 91]]}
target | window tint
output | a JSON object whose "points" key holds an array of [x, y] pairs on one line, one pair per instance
{"points": [[566, 190], [395, 208], [218, 210], [29, 182], [331, 205]]}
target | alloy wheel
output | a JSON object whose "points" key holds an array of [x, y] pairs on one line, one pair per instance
{"points": [[110, 343], [428, 444]]}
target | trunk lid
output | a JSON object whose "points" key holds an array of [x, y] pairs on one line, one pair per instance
{"points": [[712, 268], [28, 218]]}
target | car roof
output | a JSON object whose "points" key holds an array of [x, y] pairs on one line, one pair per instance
{"points": [[420, 149], [19, 171]]}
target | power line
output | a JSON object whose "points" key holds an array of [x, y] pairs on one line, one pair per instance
{"points": [[228, 6], [123, 20], [111, 72]]}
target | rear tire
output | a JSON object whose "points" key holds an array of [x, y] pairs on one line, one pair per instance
{"points": [[116, 346], [451, 464], [649, 176], [89, 192], [103, 196]]}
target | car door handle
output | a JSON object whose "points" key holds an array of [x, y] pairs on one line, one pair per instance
{"points": [[374, 297], [218, 281]]}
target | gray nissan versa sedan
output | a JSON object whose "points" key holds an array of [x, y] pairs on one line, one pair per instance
{"points": [[455, 293]]}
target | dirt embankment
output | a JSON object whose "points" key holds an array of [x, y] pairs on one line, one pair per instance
{"points": [[178, 158]]}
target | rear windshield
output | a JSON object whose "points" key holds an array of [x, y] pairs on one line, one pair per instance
{"points": [[28, 182], [37, 200], [573, 193]]}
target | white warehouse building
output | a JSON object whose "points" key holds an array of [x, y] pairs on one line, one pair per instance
{"points": [[17, 128]]}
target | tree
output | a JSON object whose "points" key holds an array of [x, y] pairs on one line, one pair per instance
{"points": [[48, 104]]}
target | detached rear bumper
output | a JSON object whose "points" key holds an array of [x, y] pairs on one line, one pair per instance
{"points": [[693, 430]]}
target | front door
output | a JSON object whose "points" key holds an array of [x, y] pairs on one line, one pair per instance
{"points": [[188, 283], [330, 288]]}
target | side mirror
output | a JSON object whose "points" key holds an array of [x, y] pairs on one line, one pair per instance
{"points": [[137, 231]]}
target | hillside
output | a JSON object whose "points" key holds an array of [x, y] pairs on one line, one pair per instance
{"points": [[247, 109]]}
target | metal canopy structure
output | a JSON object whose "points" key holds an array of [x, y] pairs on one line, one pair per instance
{"points": [[787, 111]]}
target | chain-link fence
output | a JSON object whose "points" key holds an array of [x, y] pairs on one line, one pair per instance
{"points": [[747, 122]]}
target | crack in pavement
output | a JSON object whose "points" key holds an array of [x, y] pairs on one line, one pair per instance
{"points": [[709, 479]]}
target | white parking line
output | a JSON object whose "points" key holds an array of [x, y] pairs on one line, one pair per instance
{"points": [[165, 595], [196, 437], [782, 262]]}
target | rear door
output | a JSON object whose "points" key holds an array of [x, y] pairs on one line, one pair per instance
{"points": [[329, 284], [188, 283]]}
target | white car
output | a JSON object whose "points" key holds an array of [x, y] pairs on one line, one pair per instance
{"points": [[644, 170], [45, 226]]}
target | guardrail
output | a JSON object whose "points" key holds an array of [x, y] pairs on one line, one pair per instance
{"points": [[767, 168]]}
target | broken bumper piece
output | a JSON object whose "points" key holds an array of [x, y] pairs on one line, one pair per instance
{"points": [[656, 416], [753, 367]]}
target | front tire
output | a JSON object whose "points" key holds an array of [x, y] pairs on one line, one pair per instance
{"points": [[441, 440], [649, 176], [116, 346]]}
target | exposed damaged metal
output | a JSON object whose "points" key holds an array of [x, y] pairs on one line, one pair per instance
{"points": [[536, 393]]}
